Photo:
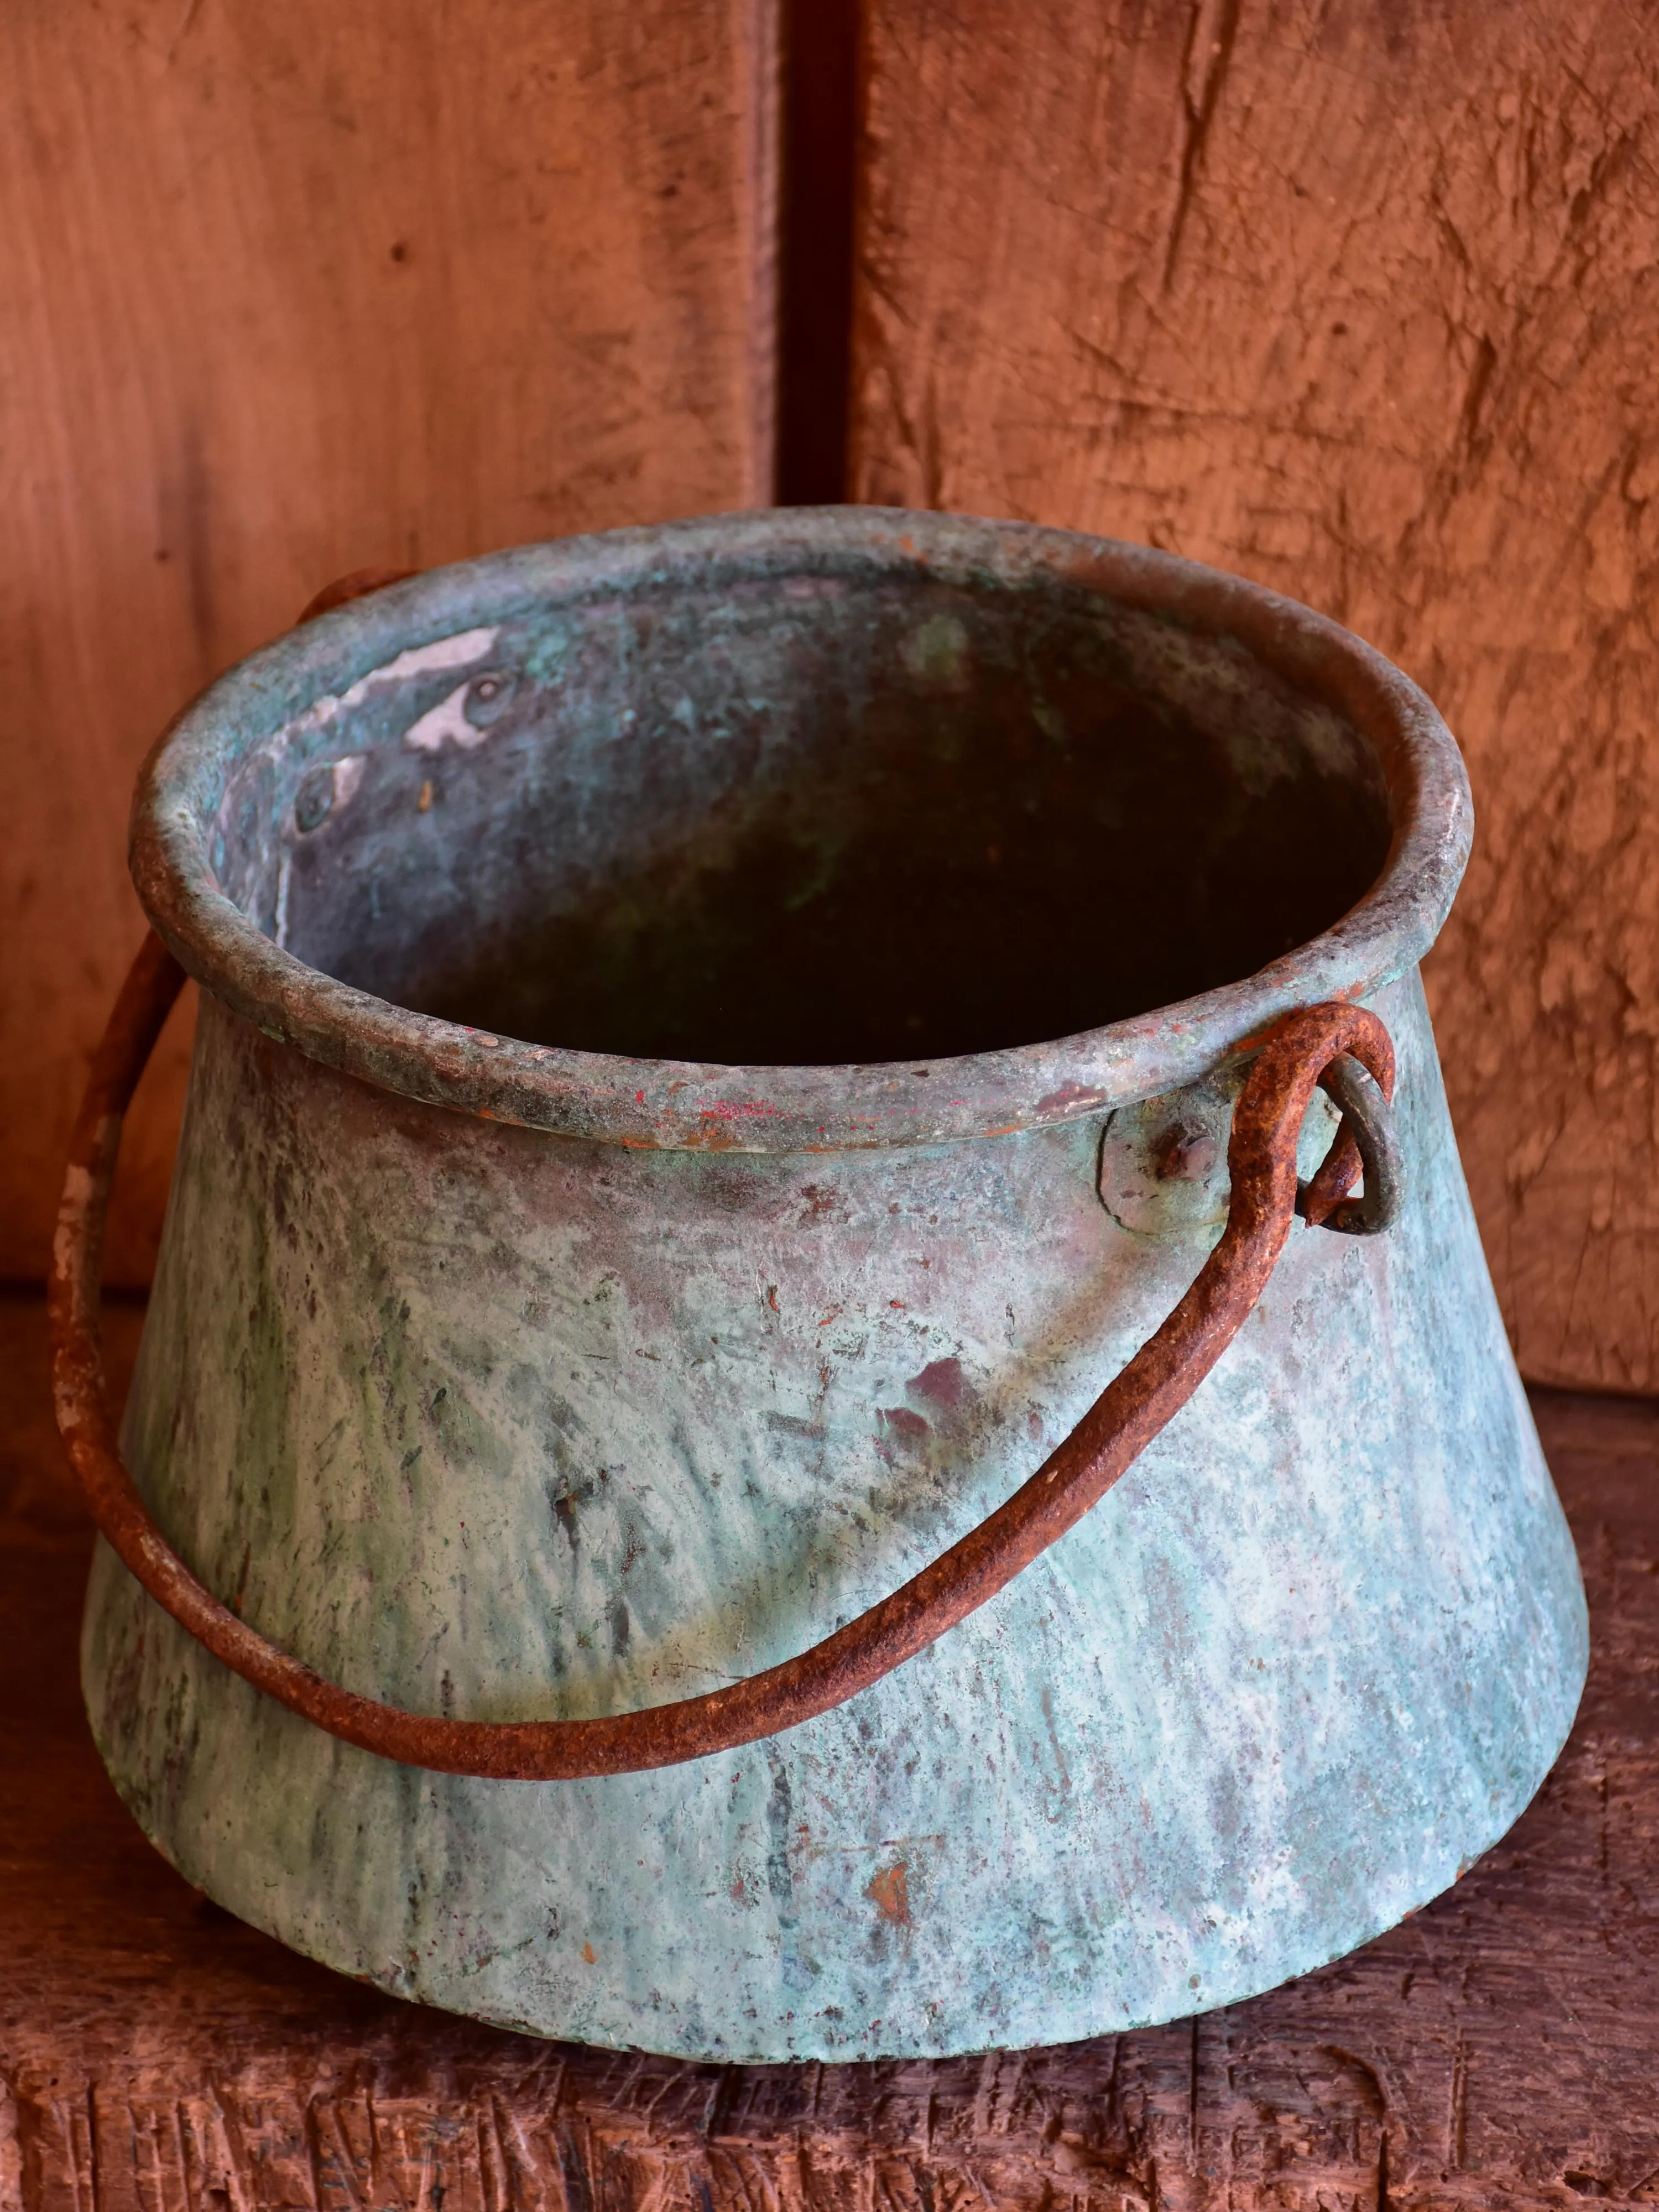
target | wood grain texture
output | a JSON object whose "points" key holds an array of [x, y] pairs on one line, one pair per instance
{"points": [[288, 291], [1359, 300], [1499, 2050]]}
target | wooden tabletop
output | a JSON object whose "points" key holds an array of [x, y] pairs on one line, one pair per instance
{"points": [[1499, 2050]]}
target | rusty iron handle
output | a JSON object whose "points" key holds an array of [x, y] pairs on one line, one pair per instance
{"points": [[1295, 1054], [1368, 1124]]}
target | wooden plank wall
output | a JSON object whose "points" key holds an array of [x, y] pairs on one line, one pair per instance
{"points": [[1357, 299], [288, 291], [1360, 300]]}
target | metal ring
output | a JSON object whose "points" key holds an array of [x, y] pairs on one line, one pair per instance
{"points": [[1368, 1125]]}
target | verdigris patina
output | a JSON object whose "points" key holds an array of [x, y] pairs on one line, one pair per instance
{"points": [[632, 1211]]}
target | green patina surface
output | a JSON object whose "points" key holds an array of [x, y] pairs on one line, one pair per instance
{"points": [[491, 1420]]}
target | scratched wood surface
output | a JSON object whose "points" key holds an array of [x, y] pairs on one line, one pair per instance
{"points": [[287, 291], [1360, 300], [1498, 2052]]}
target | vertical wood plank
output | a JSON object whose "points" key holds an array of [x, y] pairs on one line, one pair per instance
{"points": [[286, 292], [1359, 300]]}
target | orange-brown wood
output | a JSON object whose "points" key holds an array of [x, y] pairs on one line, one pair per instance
{"points": [[1359, 300], [290, 291]]}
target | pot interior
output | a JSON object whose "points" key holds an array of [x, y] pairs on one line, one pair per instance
{"points": [[810, 820]]}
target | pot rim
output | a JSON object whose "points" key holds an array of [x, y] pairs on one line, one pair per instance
{"points": [[691, 1106]]}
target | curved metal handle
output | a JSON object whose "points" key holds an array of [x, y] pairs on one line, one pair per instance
{"points": [[1295, 1054], [1366, 1138]]}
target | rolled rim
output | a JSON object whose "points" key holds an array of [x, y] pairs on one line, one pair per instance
{"points": [[693, 1106]]}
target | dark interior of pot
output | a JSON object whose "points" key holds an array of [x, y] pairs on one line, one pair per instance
{"points": [[811, 820]]}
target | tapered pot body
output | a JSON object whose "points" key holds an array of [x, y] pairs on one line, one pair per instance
{"points": [[506, 1380]]}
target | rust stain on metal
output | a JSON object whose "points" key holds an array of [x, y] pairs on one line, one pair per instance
{"points": [[942, 1382], [1185, 1153], [1068, 1099], [903, 1423], [889, 1891]]}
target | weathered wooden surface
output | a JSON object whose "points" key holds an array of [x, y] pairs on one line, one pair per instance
{"points": [[1498, 2050], [1360, 301], [288, 291]]}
